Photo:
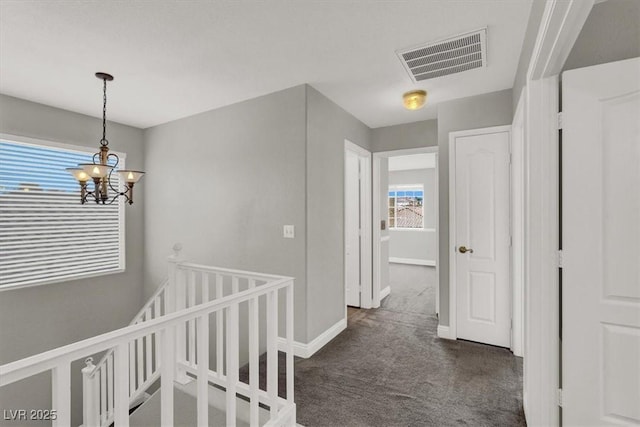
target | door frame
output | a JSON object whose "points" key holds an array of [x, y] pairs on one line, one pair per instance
{"points": [[558, 30], [364, 159], [377, 217], [518, 209], [453, 298]]}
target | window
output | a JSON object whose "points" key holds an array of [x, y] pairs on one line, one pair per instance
{"points": [[46, 235], [406, 206]]}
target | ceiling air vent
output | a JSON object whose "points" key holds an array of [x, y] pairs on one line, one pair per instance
{"points": [[453, 55]]}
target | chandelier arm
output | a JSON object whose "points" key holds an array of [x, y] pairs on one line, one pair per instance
{"points": [[94, 197], [115, 156], [114, 198], [115, 190]]}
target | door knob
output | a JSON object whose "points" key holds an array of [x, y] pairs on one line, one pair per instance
{"points": [[464, 249]]}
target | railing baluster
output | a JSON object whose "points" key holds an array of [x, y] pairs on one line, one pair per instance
{"points": [[148, 347], [139, 367], [103, 393], [132, 367], [272, 352], [156, 338], [235, 285], [192, 322], [110, 385], [232, 362], [205, 287], [181, 331], [167, 338], [61, 394], [219, 330], [121, 409], [203, 370], [254, 358], [289, 331]]}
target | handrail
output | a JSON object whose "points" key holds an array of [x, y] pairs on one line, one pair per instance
{"points": [[150, 301], [138, 315], [240, 273], [21, 369]]}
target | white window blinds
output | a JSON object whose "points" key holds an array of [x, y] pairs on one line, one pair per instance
{"points": [[46, 235]]}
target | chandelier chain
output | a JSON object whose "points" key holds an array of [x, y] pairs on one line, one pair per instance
{"points": [[104, 114]]}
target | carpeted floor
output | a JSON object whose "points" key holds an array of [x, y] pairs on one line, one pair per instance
{"points": [[388, 368]]}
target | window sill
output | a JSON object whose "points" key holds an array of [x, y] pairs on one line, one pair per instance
{"points": [[423, 230], [59, 280]]}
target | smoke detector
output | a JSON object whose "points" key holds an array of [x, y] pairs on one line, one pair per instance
{"points": [[452, 55]]}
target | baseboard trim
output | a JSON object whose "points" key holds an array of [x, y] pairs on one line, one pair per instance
{"points": [[307, 350], [384, 292], [413, 261], [445, 332]]}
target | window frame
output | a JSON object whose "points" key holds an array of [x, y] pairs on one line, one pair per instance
{"points": [[47, 143], [400, 187]]}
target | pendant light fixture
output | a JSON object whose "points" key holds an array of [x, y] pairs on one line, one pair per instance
{"points": [[100, 171]]}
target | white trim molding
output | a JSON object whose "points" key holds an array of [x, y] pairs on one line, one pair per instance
{"points": [[559, 28], [413, 261], [384, 292], [445, 332], [307, 350]]}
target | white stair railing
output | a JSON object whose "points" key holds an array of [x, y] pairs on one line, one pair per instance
{"points": [[144, 368], [144, 363], [172, 343]]}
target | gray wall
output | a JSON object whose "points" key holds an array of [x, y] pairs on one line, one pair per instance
{"points": [[36, 319], [611, 33], [535, 16], [258, 165], [481, 111], [328, 125], [230, 179], [416, 243], [409, 135]]}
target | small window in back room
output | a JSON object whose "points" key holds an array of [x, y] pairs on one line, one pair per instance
{"points": [[46, 234], [406, 206]]}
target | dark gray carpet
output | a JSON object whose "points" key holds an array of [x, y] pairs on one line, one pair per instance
{"points": [[388, 368]]}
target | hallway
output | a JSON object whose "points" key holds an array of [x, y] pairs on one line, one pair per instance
{"points": [[388, 368]]}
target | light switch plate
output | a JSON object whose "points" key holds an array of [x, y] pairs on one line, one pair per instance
{"points": [[289, 232]]}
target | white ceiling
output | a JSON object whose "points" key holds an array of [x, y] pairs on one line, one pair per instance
{"points": [[412, 161], [173, 59]]}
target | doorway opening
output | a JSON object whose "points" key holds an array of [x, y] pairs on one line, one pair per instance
{"points": [[405, 216]]}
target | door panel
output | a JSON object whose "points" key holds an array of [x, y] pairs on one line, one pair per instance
{"points": [[352, 228], [482, 224], [601, 254]]}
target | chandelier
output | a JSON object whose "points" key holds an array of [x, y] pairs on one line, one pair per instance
{"points": [[100, 171]]}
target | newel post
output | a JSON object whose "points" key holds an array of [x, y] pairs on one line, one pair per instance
{"points": [[176, 301], [172, 276], [90, 396]]}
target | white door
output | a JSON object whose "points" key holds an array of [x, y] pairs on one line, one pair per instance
{"points": [[481, 235], [352, 228], [601, 245]]}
